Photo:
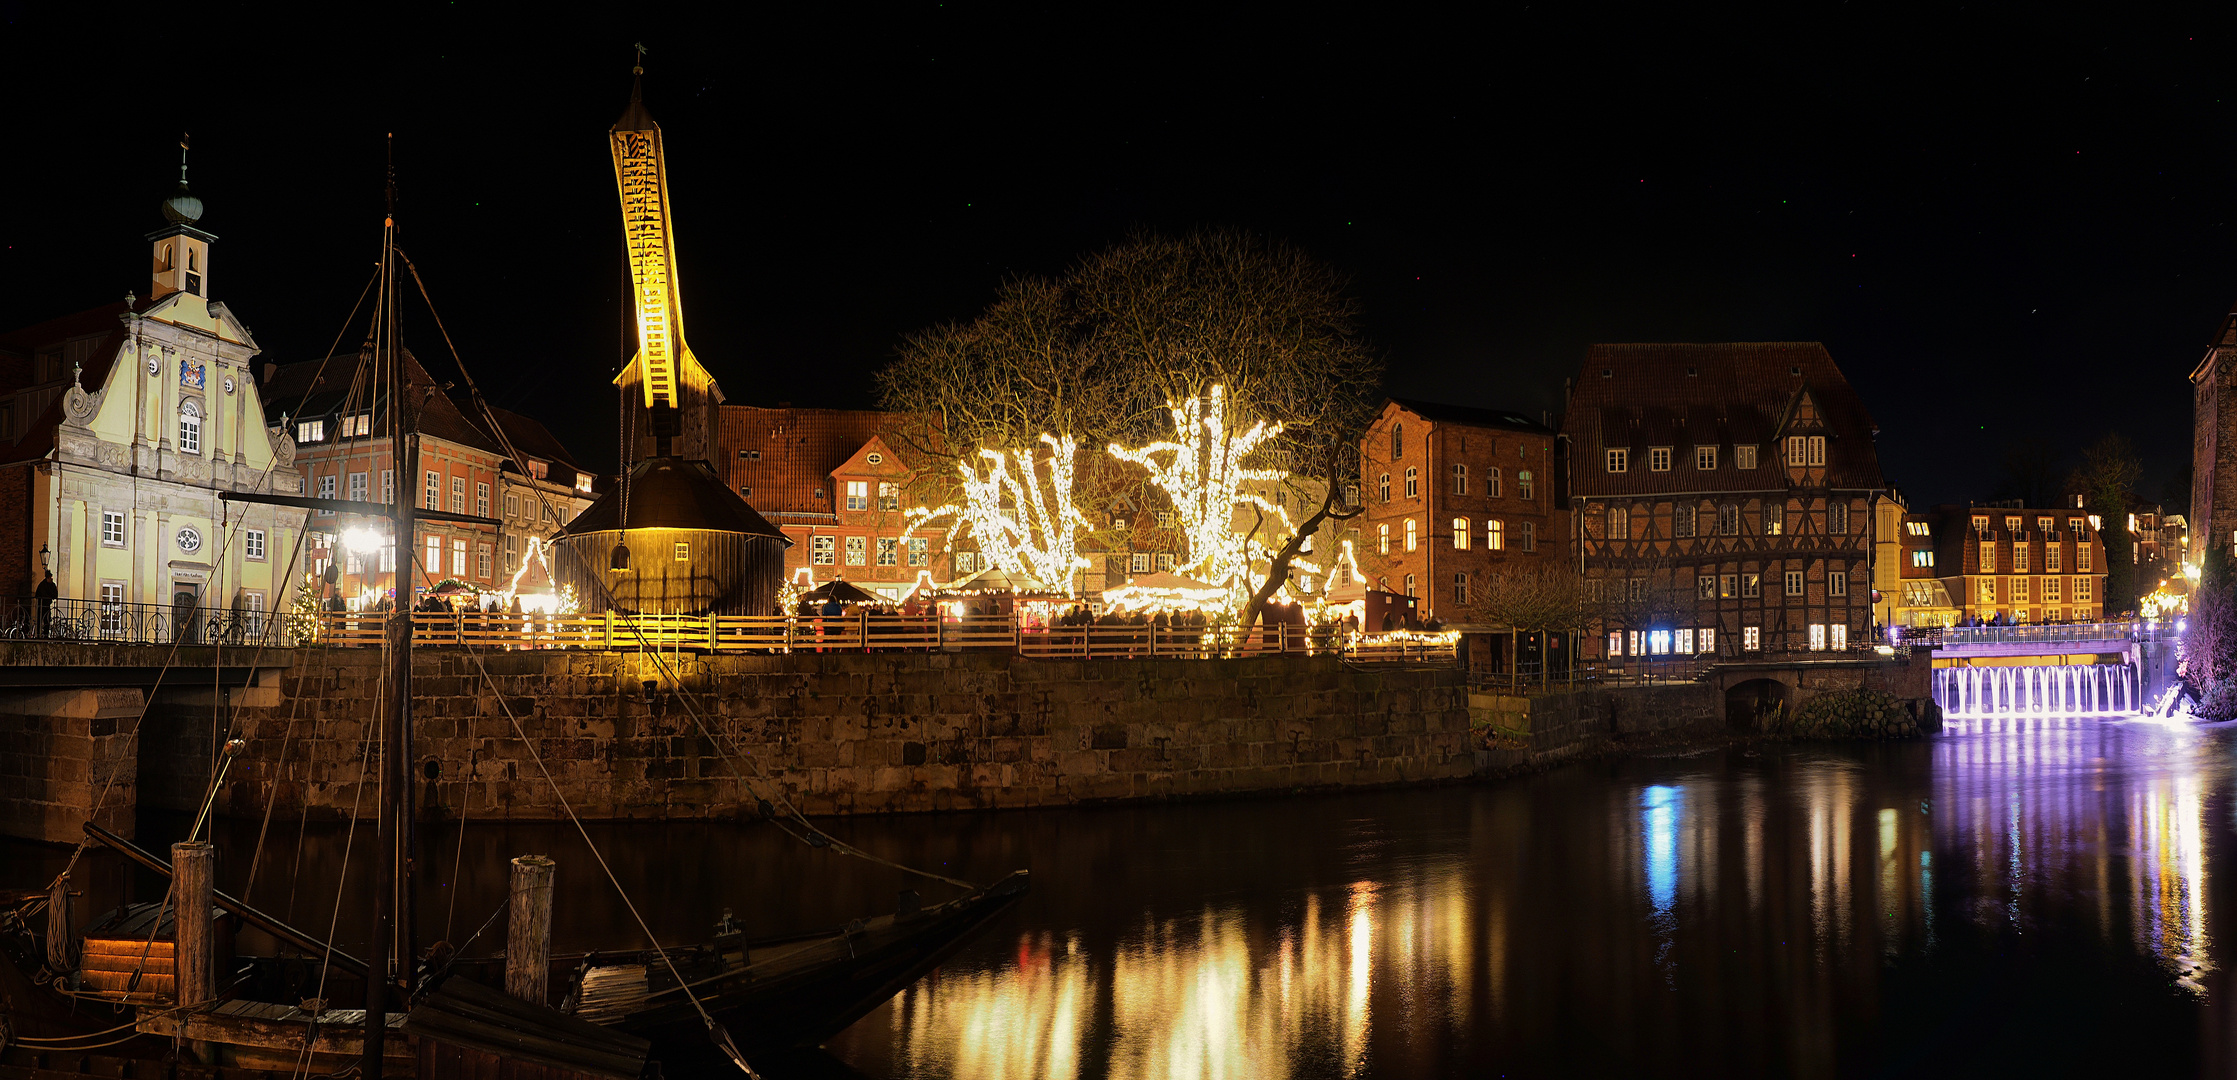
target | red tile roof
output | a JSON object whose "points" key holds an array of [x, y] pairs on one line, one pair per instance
{"points": [[797, 450], [1687, 395], [306, 391]]}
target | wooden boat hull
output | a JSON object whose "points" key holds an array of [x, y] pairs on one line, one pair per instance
{"points": [[799, 991]]}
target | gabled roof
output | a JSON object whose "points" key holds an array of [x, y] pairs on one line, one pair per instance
{"points": [[1501, 419], [798, 451], [311, 389], [1687, 395]]}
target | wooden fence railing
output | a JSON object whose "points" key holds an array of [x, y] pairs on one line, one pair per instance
{"points": [[865, 632]]}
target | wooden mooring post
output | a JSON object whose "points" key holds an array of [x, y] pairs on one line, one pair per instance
{"points": [[528, 930], [194, 954]]}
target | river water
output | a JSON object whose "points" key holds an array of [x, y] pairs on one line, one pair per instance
{"points": [[2030, 898]]}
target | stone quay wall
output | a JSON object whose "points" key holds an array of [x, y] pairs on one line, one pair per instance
{"points": [[63, 752], [836, 733]]}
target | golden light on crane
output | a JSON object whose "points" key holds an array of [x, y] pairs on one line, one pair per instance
{"points": [[641, 174]]}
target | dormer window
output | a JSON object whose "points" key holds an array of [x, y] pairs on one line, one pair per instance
{"points": [[582, 482], [310, 431]]}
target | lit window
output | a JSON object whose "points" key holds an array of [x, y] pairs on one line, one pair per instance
{"points": [[357, 487], [1383, 487], [1460, 534], [2081, 557], [1728, 586], [1382, 539], [1410, 540], [1704, 458], [1165, 519], [2017, 588], [966, 562], [889, 551], [2019, 556], [1817, 637], [1794, 583], [1495, 535], [1619, 523], [458, 558], [112, 607], [112, 528], [310, 431], [190, 427], [918, 553], [1522, 485], [1708, 640], [481, 561], [1988, 555], [2051, 590], [1685, 642], [2051, 553], [1619, 461], [821, 549], [1459, 479], [1988, 590], [1139, 563], [1413, 483], [2081, 588], [1615, 643], [1751, 638], [1658, 459], [889, 496], [1164, 561], [858, 494], [253, 543], [1743, 457], [683, 552], [434, 560], [858, 550], [1774, 518], [1409, 584], [1751, 586], [582, 482], [434, 491], [1705, 587], [2012, 524], [1922, 558]]}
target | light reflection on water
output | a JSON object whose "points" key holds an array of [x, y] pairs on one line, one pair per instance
{"points": [[1756, 912]]}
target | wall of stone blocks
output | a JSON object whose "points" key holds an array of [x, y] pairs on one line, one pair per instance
{"points": [[64, 753], [838, 733]]}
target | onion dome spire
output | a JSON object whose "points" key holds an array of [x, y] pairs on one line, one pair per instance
{"points": [[182, 208]]}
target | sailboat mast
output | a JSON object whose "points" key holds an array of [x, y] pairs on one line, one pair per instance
{"points": [[389, 877]]}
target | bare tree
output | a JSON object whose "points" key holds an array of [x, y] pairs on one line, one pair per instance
{"points": [[1549, 596]]}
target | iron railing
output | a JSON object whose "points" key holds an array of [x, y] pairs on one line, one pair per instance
{"points": [[2032, 633], [117, 623]]}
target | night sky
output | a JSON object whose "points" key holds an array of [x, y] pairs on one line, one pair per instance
{"points": [[2004, 223]]}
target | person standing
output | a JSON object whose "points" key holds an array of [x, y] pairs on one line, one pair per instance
{"points": [[45, 594]]}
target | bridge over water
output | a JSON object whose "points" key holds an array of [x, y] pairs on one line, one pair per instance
{"points": [[2066, 669]]}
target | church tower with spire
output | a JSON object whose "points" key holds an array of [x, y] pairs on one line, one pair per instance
{"points": [[182, 251], [671, 402]]}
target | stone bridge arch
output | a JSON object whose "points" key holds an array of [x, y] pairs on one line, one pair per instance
{"points": [[1755, 690]]}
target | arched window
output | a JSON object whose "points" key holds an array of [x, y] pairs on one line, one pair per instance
{"points": [[1385, 487], [190, 427], [1411, 541], [1409, 584], [1495, 535], [1460, 478], [1397, 441], [1382, 539], [190, 260], [1413, 483], [1522, 484], [1460, 534], [1491, 482]]}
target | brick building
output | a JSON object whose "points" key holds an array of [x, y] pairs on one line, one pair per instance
{"points": [[836, 486], [341, 432], [2004, 562], [1453, 495], [1722, 496], [2213, 443]]}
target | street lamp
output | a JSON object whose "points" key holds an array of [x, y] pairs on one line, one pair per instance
{"points": [[46, 558]]}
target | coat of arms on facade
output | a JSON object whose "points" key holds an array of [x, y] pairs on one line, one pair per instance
{"points": [[190, 374]]}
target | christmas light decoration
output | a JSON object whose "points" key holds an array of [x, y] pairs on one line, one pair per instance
{"points": [[1021, 523], [1205, 475]]}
